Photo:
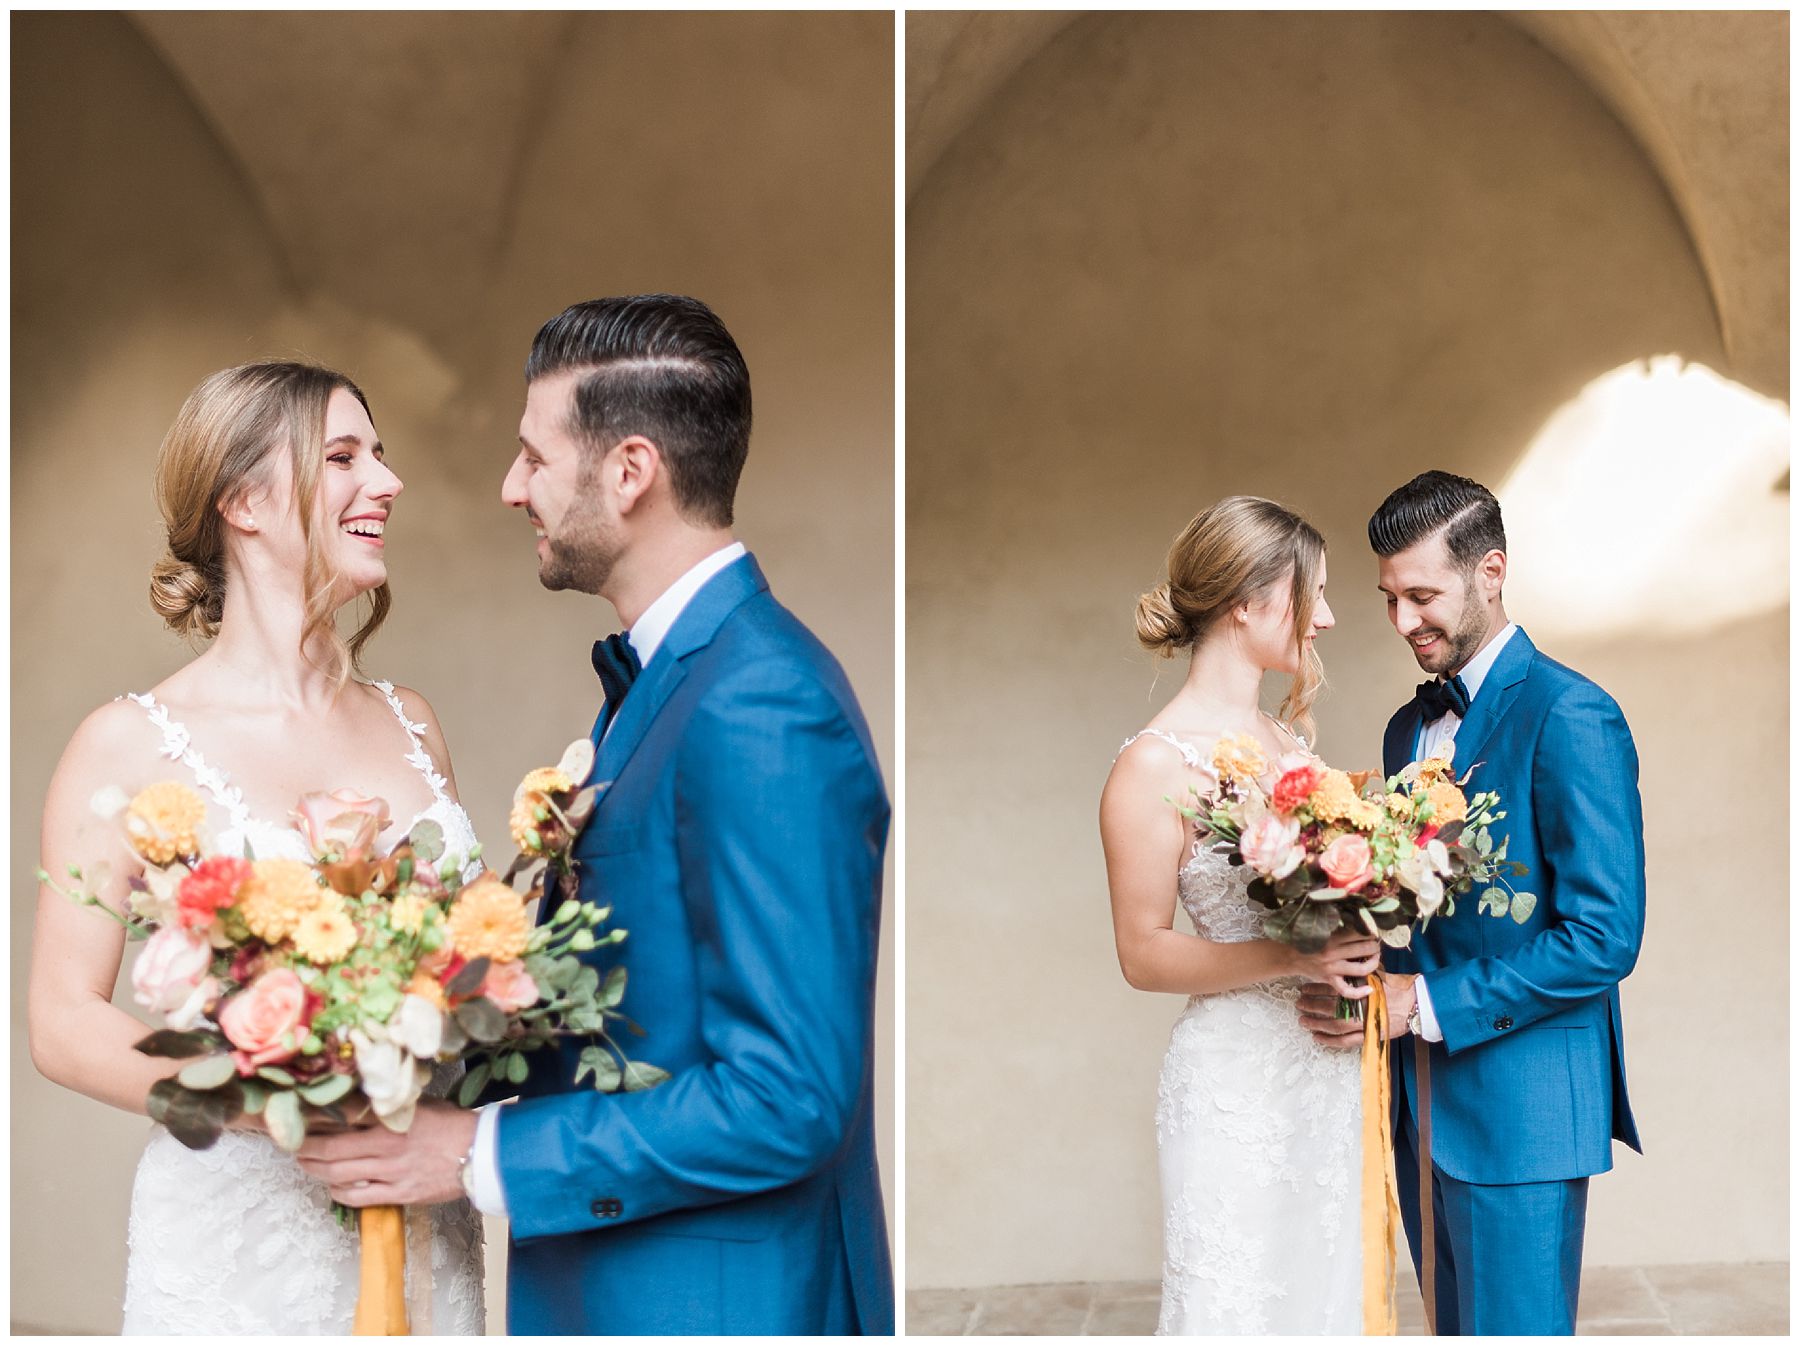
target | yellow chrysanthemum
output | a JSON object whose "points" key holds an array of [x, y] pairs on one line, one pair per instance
{"points": [[488, 920], [1400, 804], [407, 913], [1447, 803], [545, 780], [277, 894], [523, 820], [1334, 798], [164, 820], [1239, 758], [1433, 769], [326, 933]]}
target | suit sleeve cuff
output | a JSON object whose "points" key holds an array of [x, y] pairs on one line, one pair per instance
{"points": [[485, 1187], [1428, 1024]]}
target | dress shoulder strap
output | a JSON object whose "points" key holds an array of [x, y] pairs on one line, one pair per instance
{"points": [[178, 747], [419, 757], [1189, 753], [1299, 739]]}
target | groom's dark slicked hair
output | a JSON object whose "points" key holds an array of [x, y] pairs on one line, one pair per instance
{"points": [[664, 367], [1464, 510]]}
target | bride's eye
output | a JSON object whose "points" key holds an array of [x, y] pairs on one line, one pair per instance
{"points": [[342, 458]]}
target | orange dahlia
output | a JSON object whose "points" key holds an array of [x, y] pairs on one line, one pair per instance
{"points": [[487, 920], [164, 821]]}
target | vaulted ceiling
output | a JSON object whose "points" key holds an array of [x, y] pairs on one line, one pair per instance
{"points": [[1703, 93]]}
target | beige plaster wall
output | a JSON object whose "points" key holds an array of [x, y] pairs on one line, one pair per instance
{"points": [[1307, 256], [407, 196]]}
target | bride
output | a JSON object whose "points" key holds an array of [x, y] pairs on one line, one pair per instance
{"points": [[1257, 1125], [274, 490]]}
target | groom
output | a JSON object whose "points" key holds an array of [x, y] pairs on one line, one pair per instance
{"points": [[1526, 1078], [738, 836]]}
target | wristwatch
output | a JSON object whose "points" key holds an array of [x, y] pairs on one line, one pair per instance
{"points": [[1413, 1026]]}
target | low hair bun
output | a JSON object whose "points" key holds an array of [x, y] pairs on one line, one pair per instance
{"points": [[1160, 628], [188, 602]]}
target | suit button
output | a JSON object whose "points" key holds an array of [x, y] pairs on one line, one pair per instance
{"points": [[607, 1208], [1502, 1024]]}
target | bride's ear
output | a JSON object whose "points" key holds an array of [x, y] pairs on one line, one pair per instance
{"points": [[239, 511]]}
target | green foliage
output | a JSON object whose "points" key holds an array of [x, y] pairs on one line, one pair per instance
{"points": [[168, 1042], [209, 1072]]}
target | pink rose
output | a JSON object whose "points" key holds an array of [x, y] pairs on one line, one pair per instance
{"points": [[170, 976], [1271, 846], [264, 1020], [341, 821], [1348, 862], [510, 986]]}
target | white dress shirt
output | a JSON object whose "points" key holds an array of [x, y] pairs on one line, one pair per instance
{"points": [[646, 636], [1438, 739]]}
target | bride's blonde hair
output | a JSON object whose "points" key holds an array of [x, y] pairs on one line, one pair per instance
{"points": [[223, 442], [1228, 555]]}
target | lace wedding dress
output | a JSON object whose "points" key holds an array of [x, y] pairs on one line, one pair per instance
{"points": [[237, 1239], [1258, 1142]]}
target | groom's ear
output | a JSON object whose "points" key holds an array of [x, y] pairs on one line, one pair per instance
{"points": [[637, 466], [1492, 569]]}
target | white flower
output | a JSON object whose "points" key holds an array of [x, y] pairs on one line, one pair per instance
{"points": [[157, 901], [391, 1079], [110, 802], [1417, 873], [1439, 855], [169, 977], [418, 1026], [1271, 846]]}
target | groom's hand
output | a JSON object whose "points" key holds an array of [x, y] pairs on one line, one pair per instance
{"points": [[1318, 1016], [374, 1166]]}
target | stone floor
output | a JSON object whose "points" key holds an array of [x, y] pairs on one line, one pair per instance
{"points": [[1714, 1299]]}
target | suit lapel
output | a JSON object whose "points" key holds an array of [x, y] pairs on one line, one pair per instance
{"points": [[1498, 691], [1402, 733], [693, 630]]}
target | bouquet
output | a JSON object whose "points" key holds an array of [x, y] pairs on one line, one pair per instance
{"points": [[328, 989], [1338, 850]]}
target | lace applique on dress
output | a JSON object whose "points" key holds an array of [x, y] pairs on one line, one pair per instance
{"points": [[1258, 1142], [237, 1239]]}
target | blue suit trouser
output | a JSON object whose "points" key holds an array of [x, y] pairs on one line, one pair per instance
{"points": [[1508, 1257]]}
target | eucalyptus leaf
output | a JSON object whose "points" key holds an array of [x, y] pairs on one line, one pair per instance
{"points": [[473, 1083], [255, 1095], [612, 990], [208, 1073], [276, 1075], [468, 981], [518, 1069], [639, 1075], [282, 1116], [168, 1042], [1523, 904], [329, 1089], [427, 841], [1484, 844], [481, 1019], [599, 1062]]}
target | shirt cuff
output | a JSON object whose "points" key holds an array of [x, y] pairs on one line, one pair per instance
{"points": [[485, 1187], [1428, 1024]]}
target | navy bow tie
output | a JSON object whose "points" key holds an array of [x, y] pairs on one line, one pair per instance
{"points": [[616, 661], [1436, 699]]}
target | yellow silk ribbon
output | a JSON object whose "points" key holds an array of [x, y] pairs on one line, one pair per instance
{"points": [[381, 1295], [1380, 1193]]}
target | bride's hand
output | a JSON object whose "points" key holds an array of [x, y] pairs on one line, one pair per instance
{"points": [[1348, 953]]}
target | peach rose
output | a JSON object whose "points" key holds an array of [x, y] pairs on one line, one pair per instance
{"points": [[1271, 846], [1348, 862], [263, 1021], [170, 976], [510, 986], [340, 821]]}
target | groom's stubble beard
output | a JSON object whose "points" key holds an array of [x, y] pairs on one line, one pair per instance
{"points": [[586, 545], [1462, 644]]}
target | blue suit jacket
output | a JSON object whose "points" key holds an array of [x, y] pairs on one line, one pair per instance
{"points": [[739, 841], [1528, 1084]]}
